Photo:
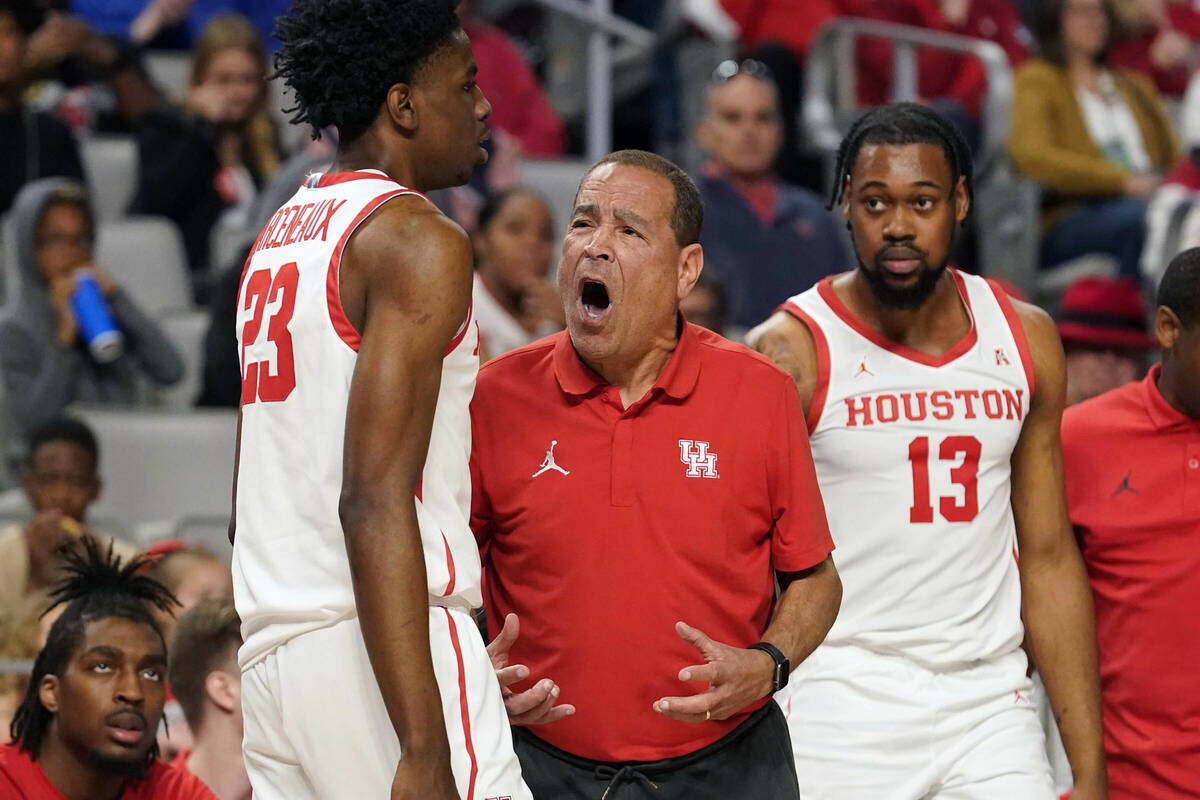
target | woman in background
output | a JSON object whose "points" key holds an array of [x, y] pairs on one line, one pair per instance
{"points": [[515, 299], [214, 154]]}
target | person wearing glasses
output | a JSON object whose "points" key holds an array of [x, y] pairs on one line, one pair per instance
{"points": [[45, 361], [766, 239]]}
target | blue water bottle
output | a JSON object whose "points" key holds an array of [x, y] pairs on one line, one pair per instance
{"points": [[104, 339]]}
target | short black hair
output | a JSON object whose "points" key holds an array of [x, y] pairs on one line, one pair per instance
{"points": [[27, 14], [1179, 289], [1047, 31], [66, 429], [688, 214], [903, 124], [340, 57], [97, 586]]}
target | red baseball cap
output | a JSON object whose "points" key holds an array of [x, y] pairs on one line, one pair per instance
{"points": [[1105, 311]]}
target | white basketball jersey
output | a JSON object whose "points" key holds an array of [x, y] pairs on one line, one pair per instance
{"points": [[298, 351], [912, 454]]}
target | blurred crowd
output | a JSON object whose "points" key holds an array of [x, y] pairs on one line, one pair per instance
{"points": [[1105, 121]]}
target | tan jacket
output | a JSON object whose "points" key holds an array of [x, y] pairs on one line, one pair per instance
{"points": [[1049, 140], [16, 601]]}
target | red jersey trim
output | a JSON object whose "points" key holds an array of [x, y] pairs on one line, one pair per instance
{"points": [[825, 289], [1018, 332], [821, 391], [333, 296], [449, 567], [462, 704], [334, 178], [462, 332]]}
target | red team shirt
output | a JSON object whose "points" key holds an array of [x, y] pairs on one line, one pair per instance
{"points": [[677, 508], [21, 778], [1133, 488]]}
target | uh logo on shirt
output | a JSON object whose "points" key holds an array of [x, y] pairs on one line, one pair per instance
{"points": [[699, 460]]}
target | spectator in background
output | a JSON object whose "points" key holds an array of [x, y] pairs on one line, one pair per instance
{"points": [[191, 573], [208, 684], [18, 642], [1132, 463], [61, 481], [85, 728], [953, 84], [1157, 39], [1097, 139], [515, 302], [767, 240], [520, 106], [707, 305], [35, 145], [214, 155], [46, 365], [1102, 323]]}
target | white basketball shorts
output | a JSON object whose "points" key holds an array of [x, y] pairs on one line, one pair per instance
{"points": [[866, 726], [316, 726]]}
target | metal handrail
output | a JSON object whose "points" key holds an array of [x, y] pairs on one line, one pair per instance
{"points": [[598, 16], [832, 54]]}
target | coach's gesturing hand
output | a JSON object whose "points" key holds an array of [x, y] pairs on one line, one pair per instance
{"points": [[735, 678], [535, 705]]}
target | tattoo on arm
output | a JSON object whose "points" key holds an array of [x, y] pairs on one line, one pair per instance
{"points": [[776, 347]]}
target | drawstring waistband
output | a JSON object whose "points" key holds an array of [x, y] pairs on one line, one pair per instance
{"points": [[615, 776]]}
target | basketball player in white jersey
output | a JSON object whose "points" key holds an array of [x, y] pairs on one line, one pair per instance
{"points": [[354, 565], [933, 403]]}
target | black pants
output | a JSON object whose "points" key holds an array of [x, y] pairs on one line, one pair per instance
{"points": [[754, 761]]}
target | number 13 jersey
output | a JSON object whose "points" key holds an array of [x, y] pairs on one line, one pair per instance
{"points": [[298, 354], [912, 454]]}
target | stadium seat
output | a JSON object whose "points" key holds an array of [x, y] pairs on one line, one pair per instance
{"points": [[169, 72], [164, 472], [186, 330], [110, 164], [557, 181], [145, 255]]}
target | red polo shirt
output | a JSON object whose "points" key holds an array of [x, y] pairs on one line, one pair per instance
{"points": [[22, 777], [1133, 488], [677, 508]]}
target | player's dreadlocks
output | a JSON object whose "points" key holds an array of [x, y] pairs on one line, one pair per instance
{"points": [[97, 586], [900, 124], [340, 57]]}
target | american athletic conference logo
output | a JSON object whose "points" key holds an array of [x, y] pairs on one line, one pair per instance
{"points": [[699, 461]]}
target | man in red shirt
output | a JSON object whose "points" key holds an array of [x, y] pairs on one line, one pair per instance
{"points": [[86, 728], [638, 485], [1132, 459]]}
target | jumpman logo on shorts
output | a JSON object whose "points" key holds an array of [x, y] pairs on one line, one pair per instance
{"points": [[548, 462], [1125, 487]]}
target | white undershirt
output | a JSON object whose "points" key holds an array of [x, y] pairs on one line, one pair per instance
{"points": [[1112, 125]]}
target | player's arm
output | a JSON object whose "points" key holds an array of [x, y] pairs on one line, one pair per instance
{"points": [[788, 342], [1055, 597], [237, 458], [408, 303]]}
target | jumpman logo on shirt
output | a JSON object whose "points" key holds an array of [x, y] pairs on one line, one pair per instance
{"points": [[548, 462], [1125, 487], [862, 368]]}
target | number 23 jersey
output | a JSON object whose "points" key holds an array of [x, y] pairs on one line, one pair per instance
{"points": [[912, 454], [298, 354]]}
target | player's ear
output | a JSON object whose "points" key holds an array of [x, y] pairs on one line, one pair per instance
{"points": [[1167, 327], [962, 199], [399, 104], [48, 693], [691, 262]]}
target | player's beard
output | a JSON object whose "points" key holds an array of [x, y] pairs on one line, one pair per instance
{"points": [[132, 767], [902, 298]]}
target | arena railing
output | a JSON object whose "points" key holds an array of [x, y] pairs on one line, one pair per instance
{"points": [[603, 25]]}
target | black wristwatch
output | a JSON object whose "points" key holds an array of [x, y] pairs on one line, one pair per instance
{"points": [[783, 667]]}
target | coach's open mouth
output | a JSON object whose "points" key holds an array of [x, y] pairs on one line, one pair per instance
{"points": [[594, 301]]}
